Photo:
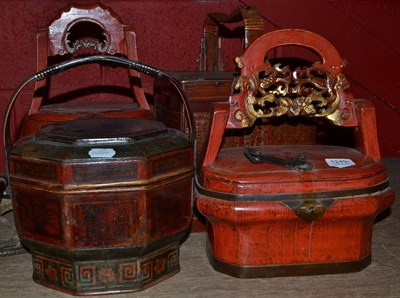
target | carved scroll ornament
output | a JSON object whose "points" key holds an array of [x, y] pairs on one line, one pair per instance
{"points": [[98, 45], [273, 91]]}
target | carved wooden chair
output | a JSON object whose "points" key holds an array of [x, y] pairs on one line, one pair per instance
{"points": [[278, 210], [87, 29]]}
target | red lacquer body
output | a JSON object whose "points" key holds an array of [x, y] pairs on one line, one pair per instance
{"points": [[278, 221], [279, 210]]}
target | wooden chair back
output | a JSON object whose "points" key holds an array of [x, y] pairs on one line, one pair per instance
{"points": [[94, 28]]}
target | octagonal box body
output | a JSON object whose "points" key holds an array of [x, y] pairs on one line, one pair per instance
{"points": [[103, 204]]}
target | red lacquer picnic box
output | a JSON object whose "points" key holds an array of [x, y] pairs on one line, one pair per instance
{"points": [[279, 210]]}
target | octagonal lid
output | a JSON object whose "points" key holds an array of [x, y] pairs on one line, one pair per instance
{"points": [[89, 153], [100, 131]]}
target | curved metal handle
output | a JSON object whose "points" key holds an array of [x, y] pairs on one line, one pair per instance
{"points": [[57, 68], [298, 162]]}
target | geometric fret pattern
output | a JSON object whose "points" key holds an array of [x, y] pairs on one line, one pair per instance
{"points": [[106, 276]]}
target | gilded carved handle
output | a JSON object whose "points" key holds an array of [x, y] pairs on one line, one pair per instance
{"points": [[267, 90]]}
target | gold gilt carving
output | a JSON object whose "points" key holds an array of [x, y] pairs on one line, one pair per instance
{"points": [[274, 91]]}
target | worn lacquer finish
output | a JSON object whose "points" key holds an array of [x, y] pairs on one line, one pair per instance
{"points": [[267, 219], [103, 204]]}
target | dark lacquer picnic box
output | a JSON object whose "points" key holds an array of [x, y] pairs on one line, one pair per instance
{"points": [[103, 204]]}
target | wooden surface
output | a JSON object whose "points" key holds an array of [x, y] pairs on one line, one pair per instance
{"points": [[102, 33], [198, 279]]}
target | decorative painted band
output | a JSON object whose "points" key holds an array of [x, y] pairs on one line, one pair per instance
{"points": [[111, 187], [105, 276]]}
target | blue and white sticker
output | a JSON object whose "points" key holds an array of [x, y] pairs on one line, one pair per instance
{"points": [[339, 162], [102, 152]]}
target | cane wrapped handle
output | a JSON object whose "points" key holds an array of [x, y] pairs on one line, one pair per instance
{"points": [[123, 62]]}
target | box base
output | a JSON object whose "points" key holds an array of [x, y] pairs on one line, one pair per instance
{"points": [[106, 276], [288, 270]]}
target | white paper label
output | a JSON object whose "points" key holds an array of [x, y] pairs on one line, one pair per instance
{"points": [[102, 152], [339, 162]]}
